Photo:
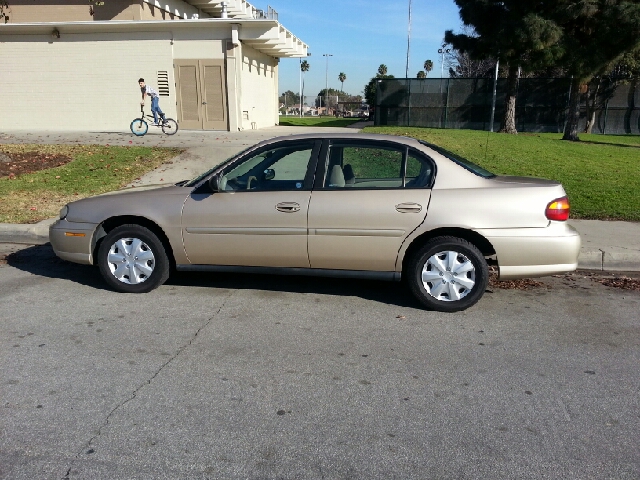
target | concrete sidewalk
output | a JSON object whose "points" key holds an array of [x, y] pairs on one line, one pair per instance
{"points": [[608, 246]]}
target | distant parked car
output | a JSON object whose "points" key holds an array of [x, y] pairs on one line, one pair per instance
{"points": [[350, 205]]}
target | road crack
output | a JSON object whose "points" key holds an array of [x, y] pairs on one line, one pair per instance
{"points": [[87, 448]]}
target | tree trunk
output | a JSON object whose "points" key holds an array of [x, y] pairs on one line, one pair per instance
{"points": [[592, 98], [573, 115], [509, 120]]}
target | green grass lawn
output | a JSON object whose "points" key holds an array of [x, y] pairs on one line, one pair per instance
{"points": [[292, 121], [601, 174], [93, 170]]}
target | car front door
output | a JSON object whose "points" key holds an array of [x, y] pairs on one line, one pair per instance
{"points": [[259, 216], [368, 197]]}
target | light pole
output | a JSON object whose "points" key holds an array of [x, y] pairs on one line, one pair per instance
{"points": [[326, 80], [442, 51], [406, 72]]}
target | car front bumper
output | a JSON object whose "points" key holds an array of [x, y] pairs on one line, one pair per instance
{"points": [[73, 241]]}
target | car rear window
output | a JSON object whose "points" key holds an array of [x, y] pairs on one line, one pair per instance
{"points": [[463, 162]]}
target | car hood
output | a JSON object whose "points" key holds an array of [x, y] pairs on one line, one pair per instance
{"points": [[136, 189]]}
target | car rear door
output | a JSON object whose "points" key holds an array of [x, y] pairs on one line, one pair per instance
{"points": [[367, 198]]}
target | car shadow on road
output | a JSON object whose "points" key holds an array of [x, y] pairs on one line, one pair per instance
{"points": [[40, 260], [391, 293]]}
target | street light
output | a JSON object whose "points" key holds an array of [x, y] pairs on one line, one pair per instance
{"points": [[326, 81], [443, 51]]}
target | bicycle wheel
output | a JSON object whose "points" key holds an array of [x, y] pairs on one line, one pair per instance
{"points": [[139, 127], [170, 126]]}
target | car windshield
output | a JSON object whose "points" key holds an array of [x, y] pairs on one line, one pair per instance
{"points": [[202, 176], [463, 162]]}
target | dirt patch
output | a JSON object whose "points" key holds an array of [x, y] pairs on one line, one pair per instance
{"points": [[523, 284], [13, 164], [623, 282]]}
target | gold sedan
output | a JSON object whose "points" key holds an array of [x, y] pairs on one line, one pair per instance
{"points": [[349, 205]]}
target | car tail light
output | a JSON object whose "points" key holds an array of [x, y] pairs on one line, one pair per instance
{"points": [[558, 209]]}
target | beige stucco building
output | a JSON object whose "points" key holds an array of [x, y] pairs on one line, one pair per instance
{"points": [[74, 65]]}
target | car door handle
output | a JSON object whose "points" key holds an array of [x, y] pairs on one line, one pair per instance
{"points": [[288, 207], [409, 208]]}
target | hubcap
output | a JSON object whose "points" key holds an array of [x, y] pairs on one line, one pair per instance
{"points": [[131, 260], [448, 276]]}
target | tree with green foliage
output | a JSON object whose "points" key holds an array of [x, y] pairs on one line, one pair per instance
{"points": [[421, 74], [342, 77], [4, 6], [428, 66], [289, 98], [597, 34], [304, 68], [513, 31], [371, 87]]}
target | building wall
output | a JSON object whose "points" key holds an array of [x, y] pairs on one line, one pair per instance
{"points": [[32, 11], [80, 82], [259, 89], [88, 81]]}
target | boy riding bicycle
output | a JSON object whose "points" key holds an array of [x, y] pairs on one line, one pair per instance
{"points": [[155, 101]]}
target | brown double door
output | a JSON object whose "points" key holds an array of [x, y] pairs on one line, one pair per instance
{"points": [[202, 96]]}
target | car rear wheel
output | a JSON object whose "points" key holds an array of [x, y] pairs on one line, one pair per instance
{"points": [[132, 259], [448, 274]]}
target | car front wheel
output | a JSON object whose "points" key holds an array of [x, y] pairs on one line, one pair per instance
{"points": [[448, 274], [132, 259]]}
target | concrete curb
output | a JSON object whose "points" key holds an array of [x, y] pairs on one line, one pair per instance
{"points": [[34, 234]]}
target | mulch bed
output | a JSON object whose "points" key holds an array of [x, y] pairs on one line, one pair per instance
{"points": [[13, 164]]}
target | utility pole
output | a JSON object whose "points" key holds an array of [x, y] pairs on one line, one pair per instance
{"points": [[326, 81], [406, 72]]}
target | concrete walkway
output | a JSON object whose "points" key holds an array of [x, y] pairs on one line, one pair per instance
{"points": [[607, 246]]}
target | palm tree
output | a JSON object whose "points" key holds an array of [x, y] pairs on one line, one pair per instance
{"points": [[342, 77], [382, 69], [304, 67], [421, 74], [428, 66]]}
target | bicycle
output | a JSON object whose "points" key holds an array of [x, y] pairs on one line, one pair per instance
{"points": [[140, 126]]}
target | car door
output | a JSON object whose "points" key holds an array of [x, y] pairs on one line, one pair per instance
{"points": [[368, 197], [259, 218]]}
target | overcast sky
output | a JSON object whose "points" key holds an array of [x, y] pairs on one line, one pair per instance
{"points": [[362, 34]]}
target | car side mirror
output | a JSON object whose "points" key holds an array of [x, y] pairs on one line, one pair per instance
{"points": [[218, 183], [269, 174]]}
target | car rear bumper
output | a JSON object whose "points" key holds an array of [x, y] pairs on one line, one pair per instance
{"points": [[72, 241], [535, 252]]}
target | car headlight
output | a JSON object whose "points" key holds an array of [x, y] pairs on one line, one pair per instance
{"points": [[63, 212]]}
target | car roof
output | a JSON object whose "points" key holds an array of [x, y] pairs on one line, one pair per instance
{"points": [[344, 136]]}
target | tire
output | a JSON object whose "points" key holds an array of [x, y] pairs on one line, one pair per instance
{"points": [[169, 127], [139, 127], [448, 274], [133, 275]]}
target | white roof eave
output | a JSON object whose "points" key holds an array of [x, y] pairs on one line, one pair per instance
{"points": [[266, 36]]}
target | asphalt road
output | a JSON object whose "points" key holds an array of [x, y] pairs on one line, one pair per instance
{"points": [[256, 377]]}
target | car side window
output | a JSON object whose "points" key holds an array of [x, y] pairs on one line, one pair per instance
{"points": [[375, 166], [276, 169], [364, 166], [419, 172]]}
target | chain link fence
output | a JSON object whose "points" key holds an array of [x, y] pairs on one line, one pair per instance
{"points": [[465, 103], [331, 105]]}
